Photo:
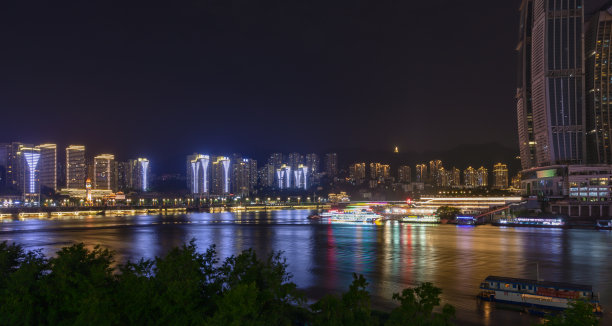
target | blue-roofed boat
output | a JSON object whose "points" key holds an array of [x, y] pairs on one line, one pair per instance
{"points": [[536, 294]]}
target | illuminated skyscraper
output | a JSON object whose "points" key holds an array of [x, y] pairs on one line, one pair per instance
{"points": [[105, 172], [331, 164], [141, 175], [305, 177], [204, 184], [482, 177], [125, 175], [253, 175], [31, 160], [198, 173], [267, 175], [550, 94], [456, 177], [312, 161], [470, 177], [76, 170], [241, 177], [404, 174], [357, 173], [434, 172], [598, 84], [421, 173], [294, 160], [220, 175], [501, 176], [279, 179], [276, 160], [48, 166]]}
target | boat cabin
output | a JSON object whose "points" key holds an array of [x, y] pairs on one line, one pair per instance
{"points": [[544, 288]]}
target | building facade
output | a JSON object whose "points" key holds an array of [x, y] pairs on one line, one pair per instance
{"points": [[48, 166], [404, 174], [76, 168], [551, 83], [105, 172], [500, 172]]}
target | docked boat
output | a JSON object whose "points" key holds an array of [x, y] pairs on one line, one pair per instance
{"points": [[541, 222], [536, 294], [426, 219], [353, 216], [603, 225], [466, 220]]}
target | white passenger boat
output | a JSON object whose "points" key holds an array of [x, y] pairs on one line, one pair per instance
{"points": [[360, 215], [536, 294]]}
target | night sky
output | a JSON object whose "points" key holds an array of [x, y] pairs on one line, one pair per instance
{"points": [[258, 76]]}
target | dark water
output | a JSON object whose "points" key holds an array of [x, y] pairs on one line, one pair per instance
{"points": [[322, 257]]}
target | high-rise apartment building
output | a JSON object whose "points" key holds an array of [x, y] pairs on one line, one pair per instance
{"points": [[434, 172], [241, 177], [404, 174], [220, 175], [331, 164], [294, 160], [551, 93], [276, 160], [30, 173], [14, 165], [105, 172], [482, 177], [421, 173], [470, 177], [48, 166], [199, 174], [76, 169], [141, 175], [267, 175], [500, 171], [312, 162], [357, 173], [455, 178]]}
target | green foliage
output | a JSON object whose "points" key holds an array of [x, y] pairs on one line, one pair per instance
{"points": [[447, 212], [82, 286], [353, 308], [417, 307], [580, 313]]}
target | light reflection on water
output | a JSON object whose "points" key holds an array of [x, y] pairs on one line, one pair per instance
{"points": [[323, 256]]}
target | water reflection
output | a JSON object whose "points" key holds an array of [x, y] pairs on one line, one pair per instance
{"points": [[323, 256]]}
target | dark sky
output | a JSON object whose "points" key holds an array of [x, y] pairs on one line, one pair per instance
{"points": [[253, 76]]}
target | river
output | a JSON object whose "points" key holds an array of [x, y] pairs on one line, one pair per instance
{"points": [[322, 256]]}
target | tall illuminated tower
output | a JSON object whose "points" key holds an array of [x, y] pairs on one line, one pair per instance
{"points": [[194, 169], [104, 172], [31, 159], [141, 175], [279, 177], [204, 163], [305, 170], [226, 163], [76, 170], [220, 175], [48, 166], [551, 93], [501, 176], [288, 176]]}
